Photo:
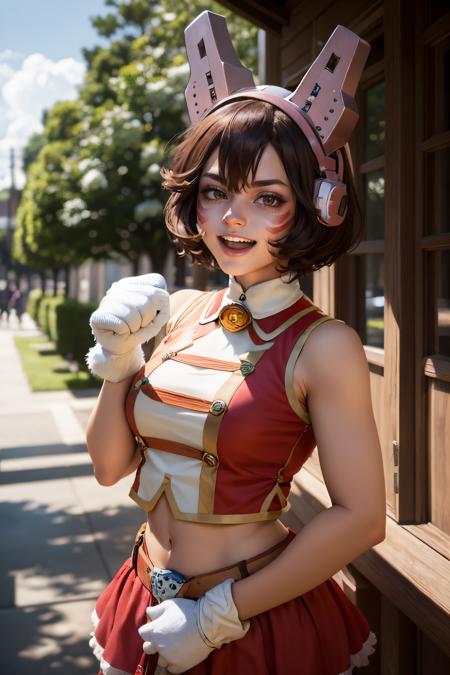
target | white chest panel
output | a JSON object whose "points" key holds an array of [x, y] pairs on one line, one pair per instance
{"points": [[160, 420], [184, 478], [156, 419]]}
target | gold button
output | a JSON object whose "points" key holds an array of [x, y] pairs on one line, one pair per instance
{"points": [[247, 368], [209, 459], [235, 317], [218, 407]]}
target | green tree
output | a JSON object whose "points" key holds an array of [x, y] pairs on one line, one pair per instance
{"points": [[32, 149], [139, 110], [94, 185], [41, 240]]}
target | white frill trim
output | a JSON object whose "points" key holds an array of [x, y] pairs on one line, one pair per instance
{"points": [[361, 658], [106, 668]]}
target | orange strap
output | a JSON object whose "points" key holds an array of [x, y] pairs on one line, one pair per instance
{"points": [[173, 447], [205, 362], [176, 399]]}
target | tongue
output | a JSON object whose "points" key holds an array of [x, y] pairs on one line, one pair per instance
{"points": [[237, 244]]}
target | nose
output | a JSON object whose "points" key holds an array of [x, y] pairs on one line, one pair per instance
{"points": [[234, 216]]}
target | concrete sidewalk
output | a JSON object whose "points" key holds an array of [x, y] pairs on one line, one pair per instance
{"points": [[63, 536]]}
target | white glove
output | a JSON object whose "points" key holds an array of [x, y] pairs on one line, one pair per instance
{"points": [[185, 632], [133, 311]]}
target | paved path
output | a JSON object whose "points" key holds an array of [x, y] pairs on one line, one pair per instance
{"points": [[62, 535]]}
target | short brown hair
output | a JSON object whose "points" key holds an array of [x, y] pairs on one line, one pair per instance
{"points": [[241, 130]]}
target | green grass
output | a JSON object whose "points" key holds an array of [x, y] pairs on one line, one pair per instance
{"points": [[48, 371]]}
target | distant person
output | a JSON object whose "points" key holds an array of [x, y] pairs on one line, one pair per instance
{"points": [[3, 303], [5, 297], [18, 303]]}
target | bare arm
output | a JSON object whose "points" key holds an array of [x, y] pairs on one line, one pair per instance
{"points": [[110, 441], [332, 370]]}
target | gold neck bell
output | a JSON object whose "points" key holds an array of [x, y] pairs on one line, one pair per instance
{"points": [[234, 317]]}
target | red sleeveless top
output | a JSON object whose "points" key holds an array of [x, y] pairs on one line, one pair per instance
{"points": [[221, 430]]}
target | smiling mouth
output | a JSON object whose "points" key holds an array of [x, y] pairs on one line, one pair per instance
{"points": [[236, 243]]}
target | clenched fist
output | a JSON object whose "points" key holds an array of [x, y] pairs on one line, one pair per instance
{"points": [[132, 312]]}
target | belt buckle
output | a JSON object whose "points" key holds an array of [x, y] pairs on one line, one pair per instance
{"points": [[165, 583]]}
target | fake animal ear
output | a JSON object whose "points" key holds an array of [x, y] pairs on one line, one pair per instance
{"points": [[216, 71], [326, 93]]}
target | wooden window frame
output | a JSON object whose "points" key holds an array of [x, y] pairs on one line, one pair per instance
{"points": [[372, 76], [406, 566], [349, 306], [411, 564], [429, 366]]}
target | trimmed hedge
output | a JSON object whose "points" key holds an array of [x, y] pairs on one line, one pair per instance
{"points": [[65, 321], [42, 314], [34, 300], [47, 314], [73, 332], [52, 328]]}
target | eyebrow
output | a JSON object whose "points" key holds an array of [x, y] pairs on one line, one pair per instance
{"points": [[256, 183]]}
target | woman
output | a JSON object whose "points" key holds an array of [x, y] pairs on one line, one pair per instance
{"points": [[241, 386]]}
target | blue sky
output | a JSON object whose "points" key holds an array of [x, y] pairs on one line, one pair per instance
{"points": [[55, 28], [40, 62]]}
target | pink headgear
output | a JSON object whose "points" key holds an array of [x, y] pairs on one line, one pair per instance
{"points": [[323, 105]]}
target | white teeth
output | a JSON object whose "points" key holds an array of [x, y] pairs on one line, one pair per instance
{"points": [[245, 241]]}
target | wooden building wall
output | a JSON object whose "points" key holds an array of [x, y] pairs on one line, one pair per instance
{"points": [[394, 289]]}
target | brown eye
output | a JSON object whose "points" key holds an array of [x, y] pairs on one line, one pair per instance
{"points": [[270, 199], [213, 194]]}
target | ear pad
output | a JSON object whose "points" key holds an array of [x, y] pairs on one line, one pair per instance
{"points": [[330, 199]]}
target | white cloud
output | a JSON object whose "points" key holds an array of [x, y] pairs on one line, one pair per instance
{"points": [[10, 55], [5, 72], [26, 90]]}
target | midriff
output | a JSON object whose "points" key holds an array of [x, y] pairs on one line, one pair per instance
{"points": [[197, 548]]}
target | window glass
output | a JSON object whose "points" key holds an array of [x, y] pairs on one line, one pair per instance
{"points": [[443, 302], [376, 49], [375, 204], [437, 90], [437, 198], [435, 9], [373, 276], [438, 113], [444, 86], [375, 120], [442, 194]]}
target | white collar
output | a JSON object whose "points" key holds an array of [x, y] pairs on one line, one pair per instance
{"points": [[265, 298]]}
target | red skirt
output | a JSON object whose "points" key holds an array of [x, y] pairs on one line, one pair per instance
{"points": [[319, 633]]}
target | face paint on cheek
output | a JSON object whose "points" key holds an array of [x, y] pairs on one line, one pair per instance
{"points": [[284, 222], [201, 217]]}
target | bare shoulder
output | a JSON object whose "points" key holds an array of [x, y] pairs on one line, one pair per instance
{"points": [[333, 372], [332, 354]]}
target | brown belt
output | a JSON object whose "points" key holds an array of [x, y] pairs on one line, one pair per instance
{"points": [[196, 586]]}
